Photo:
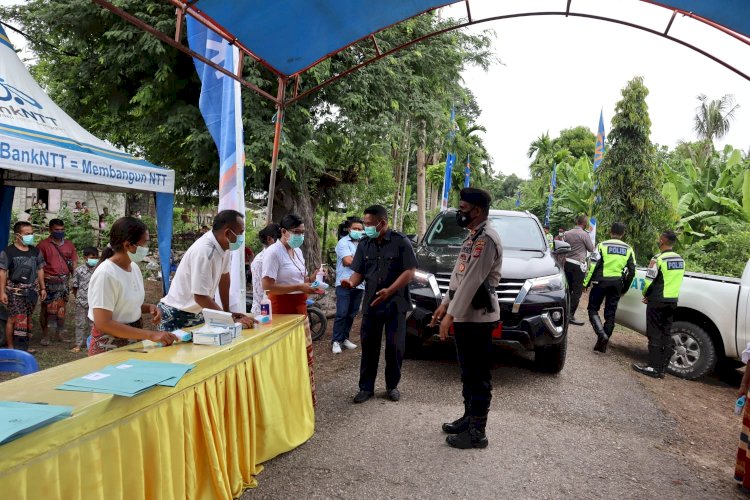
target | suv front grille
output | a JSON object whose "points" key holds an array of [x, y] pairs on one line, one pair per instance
{"points": [[507, 290]]}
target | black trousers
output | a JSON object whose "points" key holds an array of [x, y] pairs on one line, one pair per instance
{"points": [[474, 349], [371, 335], [609, 293], [659, 317], [575, 278]]}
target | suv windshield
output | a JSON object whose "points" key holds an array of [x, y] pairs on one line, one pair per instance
{"points": [[515, 232]]}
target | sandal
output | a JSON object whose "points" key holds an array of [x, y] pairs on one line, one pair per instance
{"points": [[31, 351], [76, 349], [44, 342]]}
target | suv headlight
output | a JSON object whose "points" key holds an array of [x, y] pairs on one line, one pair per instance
{"points": [[427, 280], [546, 284]]}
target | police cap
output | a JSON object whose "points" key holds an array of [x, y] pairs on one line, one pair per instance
{"points": [[477, 197]]}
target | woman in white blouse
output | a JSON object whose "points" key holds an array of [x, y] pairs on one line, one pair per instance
{"points": [[116, 292], [286, 280]]}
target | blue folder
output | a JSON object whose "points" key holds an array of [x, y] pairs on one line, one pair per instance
{"points": [[111, 380], [18, 419], [175, 371]]}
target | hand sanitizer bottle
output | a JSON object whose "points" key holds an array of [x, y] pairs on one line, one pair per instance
{"points": [[265, 308]]}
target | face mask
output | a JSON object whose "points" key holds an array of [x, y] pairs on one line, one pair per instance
{"points": [[92, 262], [372, 231], [238, 243], [296, 240], [139, 254], [355, 234], [27, 239], [463, 219], [58, 235]]}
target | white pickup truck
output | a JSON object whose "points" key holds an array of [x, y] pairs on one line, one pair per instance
{"points": [[712, 320]]}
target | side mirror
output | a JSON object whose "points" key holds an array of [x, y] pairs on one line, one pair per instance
{"points": [[413, 238], [560, 247]]}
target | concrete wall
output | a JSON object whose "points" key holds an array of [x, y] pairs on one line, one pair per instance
{"points": [[25, 197]]}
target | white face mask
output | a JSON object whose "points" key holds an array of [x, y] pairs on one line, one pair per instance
{"points": [[139, 254]]}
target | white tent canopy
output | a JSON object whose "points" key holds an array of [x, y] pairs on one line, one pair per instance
{"points": [[41, 146]]}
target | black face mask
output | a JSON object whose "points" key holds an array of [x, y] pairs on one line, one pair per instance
{"points": [[463, 219]]}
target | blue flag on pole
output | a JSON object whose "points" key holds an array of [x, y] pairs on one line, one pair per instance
{"points": [[450, 160], [221, 108], [518, 199], [467, 172], [552, 187], [600, 137]]}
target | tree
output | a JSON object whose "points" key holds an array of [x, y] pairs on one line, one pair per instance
{"points": [[629, 174], [127, 87], [713, 118]]}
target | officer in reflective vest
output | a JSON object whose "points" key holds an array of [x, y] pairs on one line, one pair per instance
{"points": [[611, 272], [663, 281]]}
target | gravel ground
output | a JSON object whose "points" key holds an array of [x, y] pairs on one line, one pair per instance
{"points": [[594, 431]]}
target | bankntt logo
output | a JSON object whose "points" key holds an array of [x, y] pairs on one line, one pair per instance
{"points": [[21, 106]]}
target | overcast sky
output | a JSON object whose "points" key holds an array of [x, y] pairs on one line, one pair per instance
{"points": [[560, 72]]}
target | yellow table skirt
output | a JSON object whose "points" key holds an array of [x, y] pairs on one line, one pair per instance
{"points": [[241, 405]]}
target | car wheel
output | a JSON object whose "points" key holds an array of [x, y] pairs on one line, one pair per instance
{"points": [[318, 323], [551, 359], [694, 351]]}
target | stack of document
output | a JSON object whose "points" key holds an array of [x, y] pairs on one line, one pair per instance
{"points": [[17, 419], [129, 378]]}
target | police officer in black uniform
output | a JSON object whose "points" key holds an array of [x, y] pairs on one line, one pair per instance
{"points": [[471, 307], [386, 262]]}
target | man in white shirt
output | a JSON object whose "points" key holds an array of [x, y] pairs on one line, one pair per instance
{"points": [[203, 270], [268, 236]]}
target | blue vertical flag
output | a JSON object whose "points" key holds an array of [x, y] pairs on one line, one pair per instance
{"points": [[449, 161], [467, 172], [600, 137], [552, 188], [221, 108], [518, 200], [599, 151]]}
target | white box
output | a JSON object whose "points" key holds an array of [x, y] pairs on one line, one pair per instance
{"points": [[236, 330], [218, 318], [223, 337]]}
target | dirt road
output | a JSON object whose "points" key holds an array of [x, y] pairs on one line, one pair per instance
{"points": [[597, 430]]}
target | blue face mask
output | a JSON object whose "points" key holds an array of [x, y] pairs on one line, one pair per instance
{"points": [[296, 240], [92, 262], [372, 231], [58, 235], [355, 234], [238, 243], [27, 239], [139, 254]]}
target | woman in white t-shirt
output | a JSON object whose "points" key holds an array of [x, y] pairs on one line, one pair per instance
{"points": [[286, 280], [116, 291]]}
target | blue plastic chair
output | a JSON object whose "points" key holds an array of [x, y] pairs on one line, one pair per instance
{"points": [[13, 360]]}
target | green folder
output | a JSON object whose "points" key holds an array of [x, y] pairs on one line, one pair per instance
{"points": [[114, 381], [18, 419], [175, 371]]}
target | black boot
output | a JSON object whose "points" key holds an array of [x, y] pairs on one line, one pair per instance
{"points": [[602, 338], [457, 426], [473, 437], [460, 425]]}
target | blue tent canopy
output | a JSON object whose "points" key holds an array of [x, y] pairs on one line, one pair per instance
{"points": [[290, 36]]}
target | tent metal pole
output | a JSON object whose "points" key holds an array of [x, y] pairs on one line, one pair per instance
{"points": [[275, 153]]}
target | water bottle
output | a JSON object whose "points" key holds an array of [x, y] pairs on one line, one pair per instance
{"points": [[739, 405], [265, 306], [321, 276]]}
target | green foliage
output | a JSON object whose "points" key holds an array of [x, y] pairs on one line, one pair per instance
{"points": [[630, 176], [724, 254]]}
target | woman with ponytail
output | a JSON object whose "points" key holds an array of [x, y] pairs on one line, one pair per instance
{"points": [[116, 292]]}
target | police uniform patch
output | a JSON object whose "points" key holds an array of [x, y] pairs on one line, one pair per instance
{"points": [[615, 250], [478, 251], [675, 264], [463, 256], [461, 267]]}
